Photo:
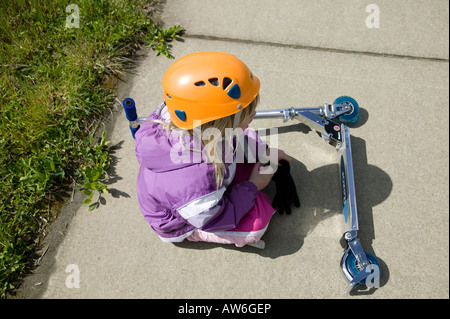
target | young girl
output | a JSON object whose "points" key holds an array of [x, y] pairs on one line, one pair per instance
{"points": [[192, 184]]}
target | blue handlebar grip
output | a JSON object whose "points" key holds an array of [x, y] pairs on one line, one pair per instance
{"points": [[130, 109]]}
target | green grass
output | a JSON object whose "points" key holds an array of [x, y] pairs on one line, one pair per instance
{"points": [[51, 95]]}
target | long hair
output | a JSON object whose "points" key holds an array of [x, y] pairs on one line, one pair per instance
{"points": [[214, 146]]}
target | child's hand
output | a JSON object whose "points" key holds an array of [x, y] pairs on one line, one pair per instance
{"points": [[273, 157], [283, 156], [286, 192], [260, 176]]}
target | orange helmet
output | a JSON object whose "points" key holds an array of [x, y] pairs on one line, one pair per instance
{"points": [[206, 86]]}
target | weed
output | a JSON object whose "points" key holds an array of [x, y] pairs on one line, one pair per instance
{"points": [[91, 175], [160, 38]]}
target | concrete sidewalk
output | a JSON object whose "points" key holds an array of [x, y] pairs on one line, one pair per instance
{"points": [[305, 53]]}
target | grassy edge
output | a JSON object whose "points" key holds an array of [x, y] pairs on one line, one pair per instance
{"points": [[88, 160]]}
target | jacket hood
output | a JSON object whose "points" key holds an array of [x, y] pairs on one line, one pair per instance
{"points": [[160, 150]]}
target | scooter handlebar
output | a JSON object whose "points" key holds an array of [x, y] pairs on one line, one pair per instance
{"points": [[130, 109]]}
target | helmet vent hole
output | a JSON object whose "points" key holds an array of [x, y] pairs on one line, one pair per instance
{"points": [[226, 82], [200, 83], [168, 96], [214, 81]]}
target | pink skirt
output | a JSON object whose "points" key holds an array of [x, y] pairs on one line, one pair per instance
{"points": [[251, 227]]}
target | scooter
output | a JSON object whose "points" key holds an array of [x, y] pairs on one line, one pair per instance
{"points": [[358, 266]]}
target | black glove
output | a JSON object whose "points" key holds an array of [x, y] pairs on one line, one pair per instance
{"points": [[286, 192]]}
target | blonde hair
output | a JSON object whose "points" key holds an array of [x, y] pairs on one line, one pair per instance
{"points": [[211, 145]]}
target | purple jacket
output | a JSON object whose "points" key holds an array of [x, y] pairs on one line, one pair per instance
{"points": [[179, 194]]}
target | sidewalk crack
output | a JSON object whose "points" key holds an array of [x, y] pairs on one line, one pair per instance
{"points": [[313, 48]]}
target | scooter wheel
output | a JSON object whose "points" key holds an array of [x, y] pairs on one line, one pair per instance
{"points": [[352, 116], [354, 268]]}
